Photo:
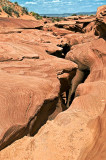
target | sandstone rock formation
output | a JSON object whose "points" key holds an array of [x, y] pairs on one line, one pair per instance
{"points": [[79, 25], [44, 72], [101, 21], [32, 75]]}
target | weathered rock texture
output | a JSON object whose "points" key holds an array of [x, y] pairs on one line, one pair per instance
{"points": [[31, 79], [101, 21], [35, 86]]}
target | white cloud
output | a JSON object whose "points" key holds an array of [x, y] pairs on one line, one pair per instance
{"points": [[30, 2], [56, 1], [100, 3]]}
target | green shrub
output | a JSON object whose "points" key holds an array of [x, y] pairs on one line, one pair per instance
{"points": [[8, 10], [38, 17], [33, 14], [57, 19], [44, 16], [74, 14], [53, 20], [0, 10], [16, 13], [16, 3], [25, 10]]}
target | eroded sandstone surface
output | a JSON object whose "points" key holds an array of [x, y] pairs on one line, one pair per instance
{"points": [[48, 68]]}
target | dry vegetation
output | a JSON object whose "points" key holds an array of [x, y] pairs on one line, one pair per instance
{"points": [[15, 10]]}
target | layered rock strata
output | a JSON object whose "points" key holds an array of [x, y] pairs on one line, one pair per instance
{"points": [[36, 86]]}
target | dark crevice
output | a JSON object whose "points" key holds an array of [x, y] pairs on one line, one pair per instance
{"points": [[57, 53], [11, 32], [39, 28], [72, 98], [60, 53], [76, 28], [18, 60], [104, 37], [41, 117], [35, 123], [71, 92], [59, 25], [86, 74], [85, 24], [66, 49]]}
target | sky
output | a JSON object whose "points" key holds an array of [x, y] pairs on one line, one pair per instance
{"points": [[61, 6]]}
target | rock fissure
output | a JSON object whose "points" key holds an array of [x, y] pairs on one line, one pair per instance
{"points": [[30, 101], [79, 78]]}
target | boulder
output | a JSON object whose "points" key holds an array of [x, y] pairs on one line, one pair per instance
{"points": [[87, 55], [78, 38]]}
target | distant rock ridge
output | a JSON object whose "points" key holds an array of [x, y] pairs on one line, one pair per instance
{"points": [[69, 14]]}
